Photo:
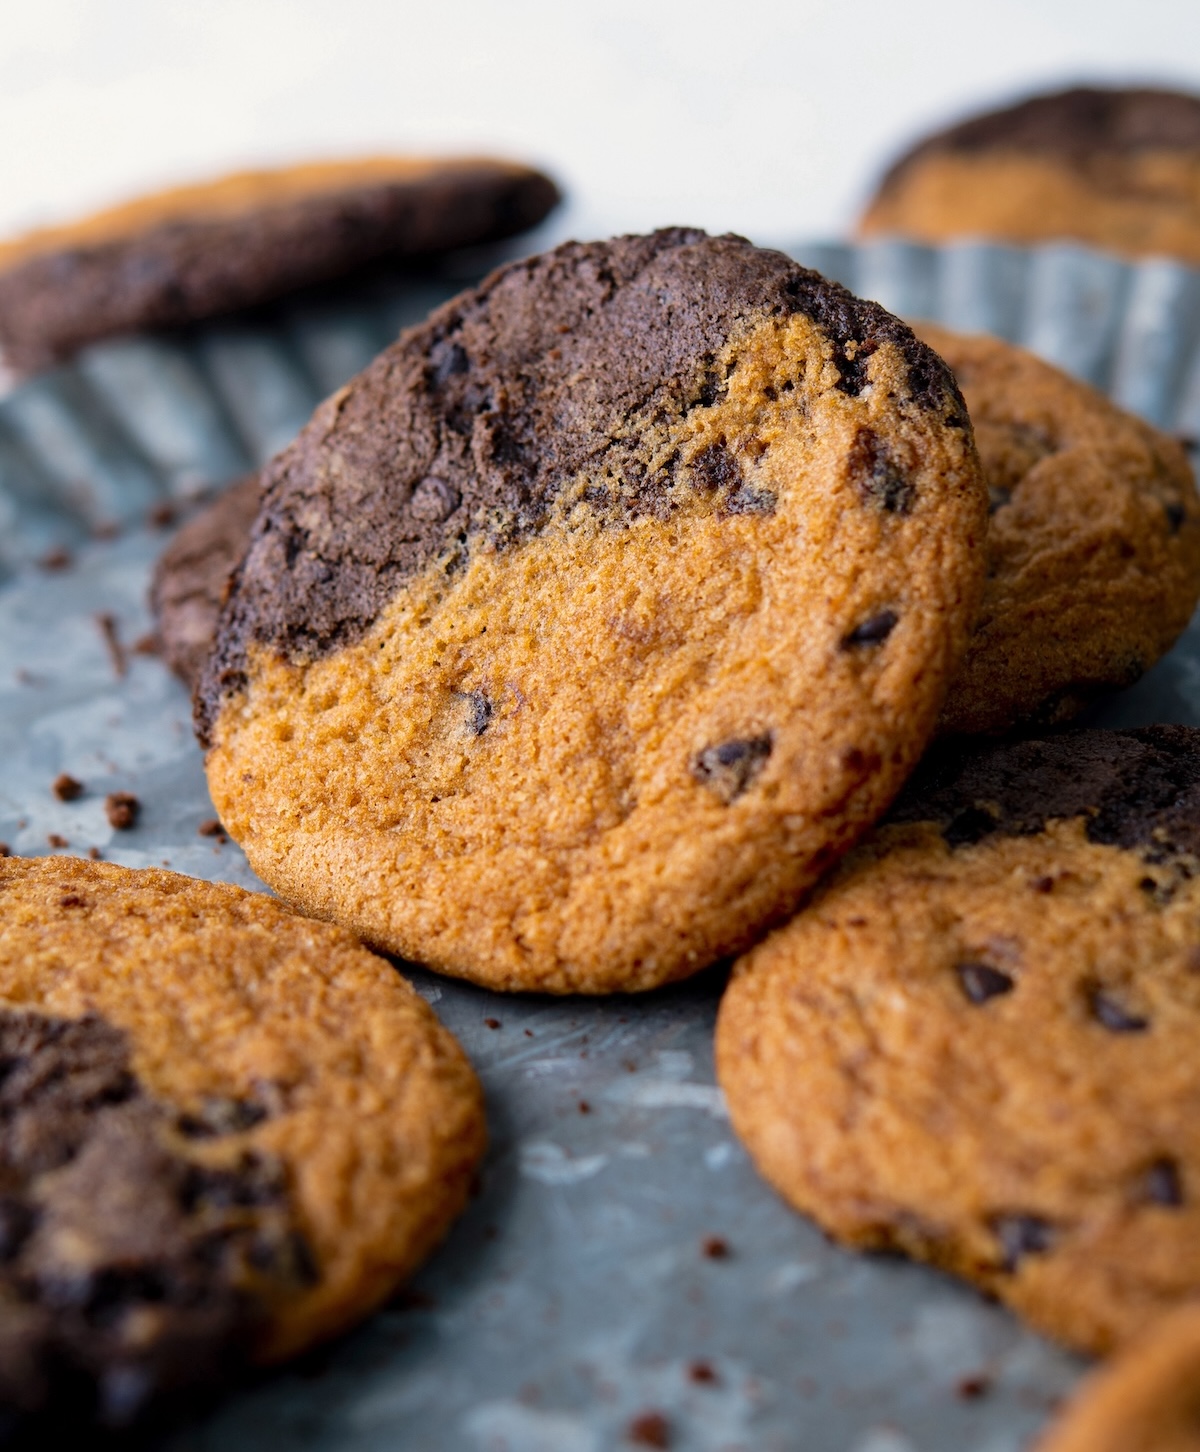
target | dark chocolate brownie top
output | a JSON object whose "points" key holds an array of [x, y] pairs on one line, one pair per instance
{"points": [[473, 423], [1074, 124], [128, 1271], [1138, 789]]}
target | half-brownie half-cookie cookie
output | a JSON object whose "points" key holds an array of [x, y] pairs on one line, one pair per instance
{"points": [[1119, 169], [192, 575], [178, 256], [225, 1133], [1093, 543], [977, 1043], [588, 625]]}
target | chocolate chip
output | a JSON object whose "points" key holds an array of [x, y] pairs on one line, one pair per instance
{"points": [[980, 981], [728, 769], [1175, 516], [873, 631], [715, 467], [72, 900], [1162, 1183], [434, 500], [1117, 1019], [121, 809], [66, 788], [650, 1429], [1022, 1235], [968, 827], [876, 476]]}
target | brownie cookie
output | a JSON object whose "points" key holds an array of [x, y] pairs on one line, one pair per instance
{"points": [[182, 255], [190, 579], [1119, 169], [589, 624], [1146, 1400], [977, 1044], [1093, 546], [225, 1132]]}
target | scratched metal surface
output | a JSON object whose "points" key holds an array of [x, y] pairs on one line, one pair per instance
{"points": [[575, 1295]]}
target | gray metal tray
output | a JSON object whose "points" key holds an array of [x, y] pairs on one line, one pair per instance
{"points": [[579, 1291]]}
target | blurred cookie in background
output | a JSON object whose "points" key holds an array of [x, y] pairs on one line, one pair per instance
{"points": [[178, 256], [1093, 543], [1118, 169]]}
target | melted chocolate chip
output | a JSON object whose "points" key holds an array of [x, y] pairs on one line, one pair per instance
{"points": [[873, 631], [728, 769], [1108, 1011], [1022, 1235], [715, 467], [479, 712], [980, 981], [1163, 1185], [876, 476], [747, 500]]}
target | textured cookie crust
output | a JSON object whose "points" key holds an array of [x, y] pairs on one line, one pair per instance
{"points": [[977, 1044], [192, 575], [601, 612], [225, 1132], [1093, 545], [1119, 169], [1146, 1400], [179, 256]]}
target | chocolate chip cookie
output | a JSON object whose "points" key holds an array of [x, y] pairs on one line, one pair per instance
{"points": [[1119, 169], [182, 255], [589, 624], [1147, 1399], [977, 1044], [225, 1132], [1093, 544], [191, 577]]}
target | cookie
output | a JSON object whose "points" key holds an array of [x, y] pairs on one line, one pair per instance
{"points": [[1147, 1399], [977, 1044], [1119, 169], [581, 631], [225, 1132], [179, 256], [188, 587], [1093, 544]]}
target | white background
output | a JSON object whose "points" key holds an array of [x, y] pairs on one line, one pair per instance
{"points": [[763, 116]]}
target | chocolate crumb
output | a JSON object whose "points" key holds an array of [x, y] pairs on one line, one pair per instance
{"points": [[55, 840], [715, 1247], [650, 1429], [66, 788], [971, 1388], [702, 1373], [492, 1023], [121, 809], [112, 639], [980, 981]]}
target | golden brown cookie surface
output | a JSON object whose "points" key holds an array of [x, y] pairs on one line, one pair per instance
{"points": [[1147, 1399], [1093, 543], [977, 1044], [590, 622], [225, 1132], [1119, 169], [239, 241]]}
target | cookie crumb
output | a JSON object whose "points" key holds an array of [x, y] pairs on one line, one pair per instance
{"points": [[121, 809], [148, 644], [703, 1373], [161, 516], [66, 787], [94, 854], [211, 827], [584, 1107], [56, 841], [715, 1247], [112, 639], [492, 1023], [56, 559], [5, 850], [971, 1388], [650, 1429]]}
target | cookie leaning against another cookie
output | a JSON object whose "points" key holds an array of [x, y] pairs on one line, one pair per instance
{"points": [[978, 1043], [178, 256], [192, 575], [226, 1132], [581, 631], [1147, 1399], [1119, 169], [1093, 545]]}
